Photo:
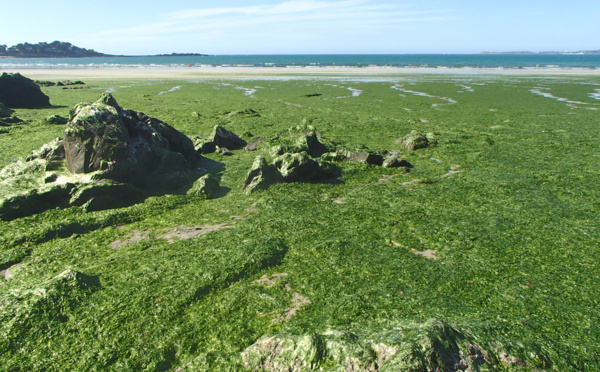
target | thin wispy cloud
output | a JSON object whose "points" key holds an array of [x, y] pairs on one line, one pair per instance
{"points": [[311, 15]]}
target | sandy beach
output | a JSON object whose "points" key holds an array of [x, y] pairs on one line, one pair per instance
{"points": [[249, 72]]}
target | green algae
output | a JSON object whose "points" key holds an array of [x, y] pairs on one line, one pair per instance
{"points": [[514, 227]]}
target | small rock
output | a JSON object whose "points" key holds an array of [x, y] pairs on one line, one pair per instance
{"points": [[414, 141], [367, 158], [223, 151], [206, 187], [56, 119], [261, 176], [396, 163], [226, 138]]}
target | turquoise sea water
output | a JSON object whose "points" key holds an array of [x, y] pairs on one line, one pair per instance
{"points": [[574, 61]]}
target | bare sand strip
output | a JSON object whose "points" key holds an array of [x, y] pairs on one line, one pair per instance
{"points": [[250, 72]]}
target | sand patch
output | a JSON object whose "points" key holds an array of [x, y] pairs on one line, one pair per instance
{"points": [[10, 272], [135, 236], [185, 232], [430, 254], [269, 282], [170, 234], [297, 303]]}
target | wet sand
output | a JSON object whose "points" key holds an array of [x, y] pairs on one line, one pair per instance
{"points": [[239, 72]]}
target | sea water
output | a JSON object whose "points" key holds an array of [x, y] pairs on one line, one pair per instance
{"points": [[508, 61]]}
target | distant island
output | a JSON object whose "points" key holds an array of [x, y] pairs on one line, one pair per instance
{"points": [[56, 49], [60, 49], [545, 53]]}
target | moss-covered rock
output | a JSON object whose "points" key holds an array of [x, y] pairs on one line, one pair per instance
{"points": [[206, 187], [367, 158], [432, 346], [35, 201], [396, 162], [261, 176], [301, 167], [127, 146], [56, 119], [414, 141]]}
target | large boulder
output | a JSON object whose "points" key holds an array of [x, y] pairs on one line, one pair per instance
{"points": [[126, 145], [17, 91]]}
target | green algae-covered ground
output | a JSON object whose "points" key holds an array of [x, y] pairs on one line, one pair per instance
{"points": [[491, 239]]}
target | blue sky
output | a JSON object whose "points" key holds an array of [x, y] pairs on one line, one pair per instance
{"points": [[307, 26]]}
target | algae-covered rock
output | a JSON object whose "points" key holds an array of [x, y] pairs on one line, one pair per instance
{"points": [[305, 141], [206, 187], [414, 141], [204, 146], [334, 156], [35, 201], [261, 176], [17, 91], [7, 116], [433, 138], [285, 353], [104, 194], [53, 151], [226, 138], [255, 143], [244, 113], [128, 146], [367, 158], [56, 119], [396, 163], [432, 346], [300, 166], [30, 311]]}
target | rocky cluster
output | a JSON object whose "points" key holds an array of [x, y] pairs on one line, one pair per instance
{"points": [[303, 155], [107, 157], [431, 346]]}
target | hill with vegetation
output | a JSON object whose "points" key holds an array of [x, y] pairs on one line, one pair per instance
{"points": [[56, 49]]}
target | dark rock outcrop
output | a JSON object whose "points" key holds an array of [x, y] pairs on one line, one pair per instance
{"points": [[17, 91], [226, 138], [125, 145]]}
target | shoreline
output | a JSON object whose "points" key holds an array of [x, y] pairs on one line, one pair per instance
{"points": [[308, 71]]}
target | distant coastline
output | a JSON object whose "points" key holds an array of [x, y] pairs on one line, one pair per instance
{"points": [[583, 52], [60, 49]]}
